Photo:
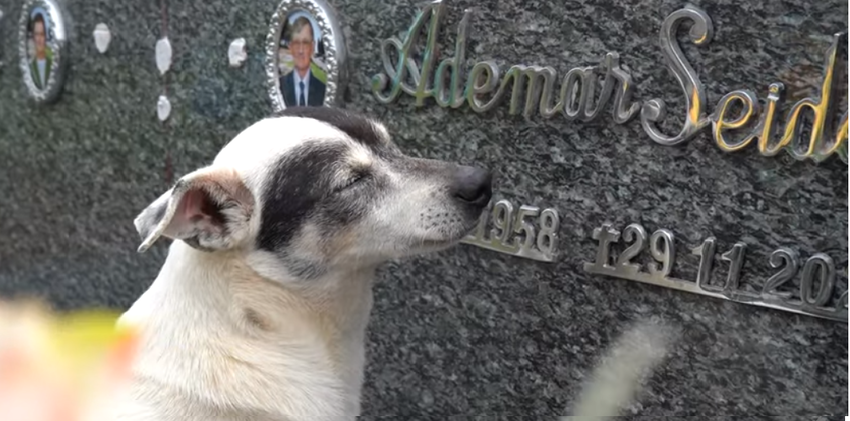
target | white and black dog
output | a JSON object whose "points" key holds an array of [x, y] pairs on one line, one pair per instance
{"points": [[260, 309]]}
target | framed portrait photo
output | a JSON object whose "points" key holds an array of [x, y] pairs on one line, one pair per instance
{"points": [[43, 41], [304, 55]]}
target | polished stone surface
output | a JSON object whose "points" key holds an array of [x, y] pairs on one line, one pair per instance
{"points": [[464, 333]]}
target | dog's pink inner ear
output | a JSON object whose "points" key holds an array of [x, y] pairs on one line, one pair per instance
{"points": [[198, 211], [210, 208]]}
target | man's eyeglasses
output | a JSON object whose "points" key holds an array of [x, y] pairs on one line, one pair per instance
{"points": [[299, 44]]}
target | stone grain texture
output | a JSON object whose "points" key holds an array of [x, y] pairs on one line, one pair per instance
{"points": [[465, 333]]}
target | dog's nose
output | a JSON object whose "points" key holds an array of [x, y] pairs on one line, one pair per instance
{"points": [[473, 185]]}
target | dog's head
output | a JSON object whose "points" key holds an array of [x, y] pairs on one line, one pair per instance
{"points": [[318, 188]]}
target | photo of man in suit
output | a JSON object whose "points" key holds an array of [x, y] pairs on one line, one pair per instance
{"points": [[43, 59], [300, 86]]}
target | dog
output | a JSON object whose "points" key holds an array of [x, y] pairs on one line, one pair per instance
{"points": [[260, 309]]}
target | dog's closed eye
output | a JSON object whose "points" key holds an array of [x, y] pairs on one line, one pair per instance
{"points": [[357, 177]]}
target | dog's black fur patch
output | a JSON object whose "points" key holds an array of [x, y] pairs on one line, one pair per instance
{"points": [[300, 191], [300, 186], [356, 126], [297, 184]]}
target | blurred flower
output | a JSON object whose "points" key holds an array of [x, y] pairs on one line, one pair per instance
{"points": [[61, 367], [623, 371]]}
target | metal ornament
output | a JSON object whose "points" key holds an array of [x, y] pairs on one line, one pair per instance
{"points": [[820, 299], [44, 25], [163, 55], [771, 139], [654, 110], [163, 108], [526, 232], [324, 22], [237, 53], [529, 90], [102, 37]]}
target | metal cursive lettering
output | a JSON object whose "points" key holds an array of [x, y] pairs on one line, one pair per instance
{"points": [[538, 89], [576, 96]]}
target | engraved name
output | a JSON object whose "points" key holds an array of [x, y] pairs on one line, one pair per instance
{"points": [[525, 232], [815, 295], [531, 89]]}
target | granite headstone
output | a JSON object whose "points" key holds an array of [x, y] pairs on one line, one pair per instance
{"points": [[473, 333]]}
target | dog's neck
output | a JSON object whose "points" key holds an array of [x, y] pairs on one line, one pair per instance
{"points": [[303, 344]]}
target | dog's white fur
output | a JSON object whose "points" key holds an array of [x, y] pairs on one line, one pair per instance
{"points": [[228, 333], [202, 360]]}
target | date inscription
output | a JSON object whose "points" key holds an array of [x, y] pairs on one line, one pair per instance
{"points": [[524, 231], [805, 287]]}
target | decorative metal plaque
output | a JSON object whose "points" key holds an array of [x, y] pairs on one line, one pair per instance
{"points": [[533, 89], [305, 55], [43, 36], [806, 287], [525, 232]]}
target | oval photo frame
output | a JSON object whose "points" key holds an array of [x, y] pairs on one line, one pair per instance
{"points": [[42, 47], [298, 29]]}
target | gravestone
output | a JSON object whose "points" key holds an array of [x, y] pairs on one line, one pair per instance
{"points": [[679, 162]]}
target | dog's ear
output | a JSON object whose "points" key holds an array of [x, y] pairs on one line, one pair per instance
{"points": [[209, 209]]}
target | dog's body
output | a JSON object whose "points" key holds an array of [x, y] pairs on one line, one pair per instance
{"points": [[260, 310], [227, 344]]}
